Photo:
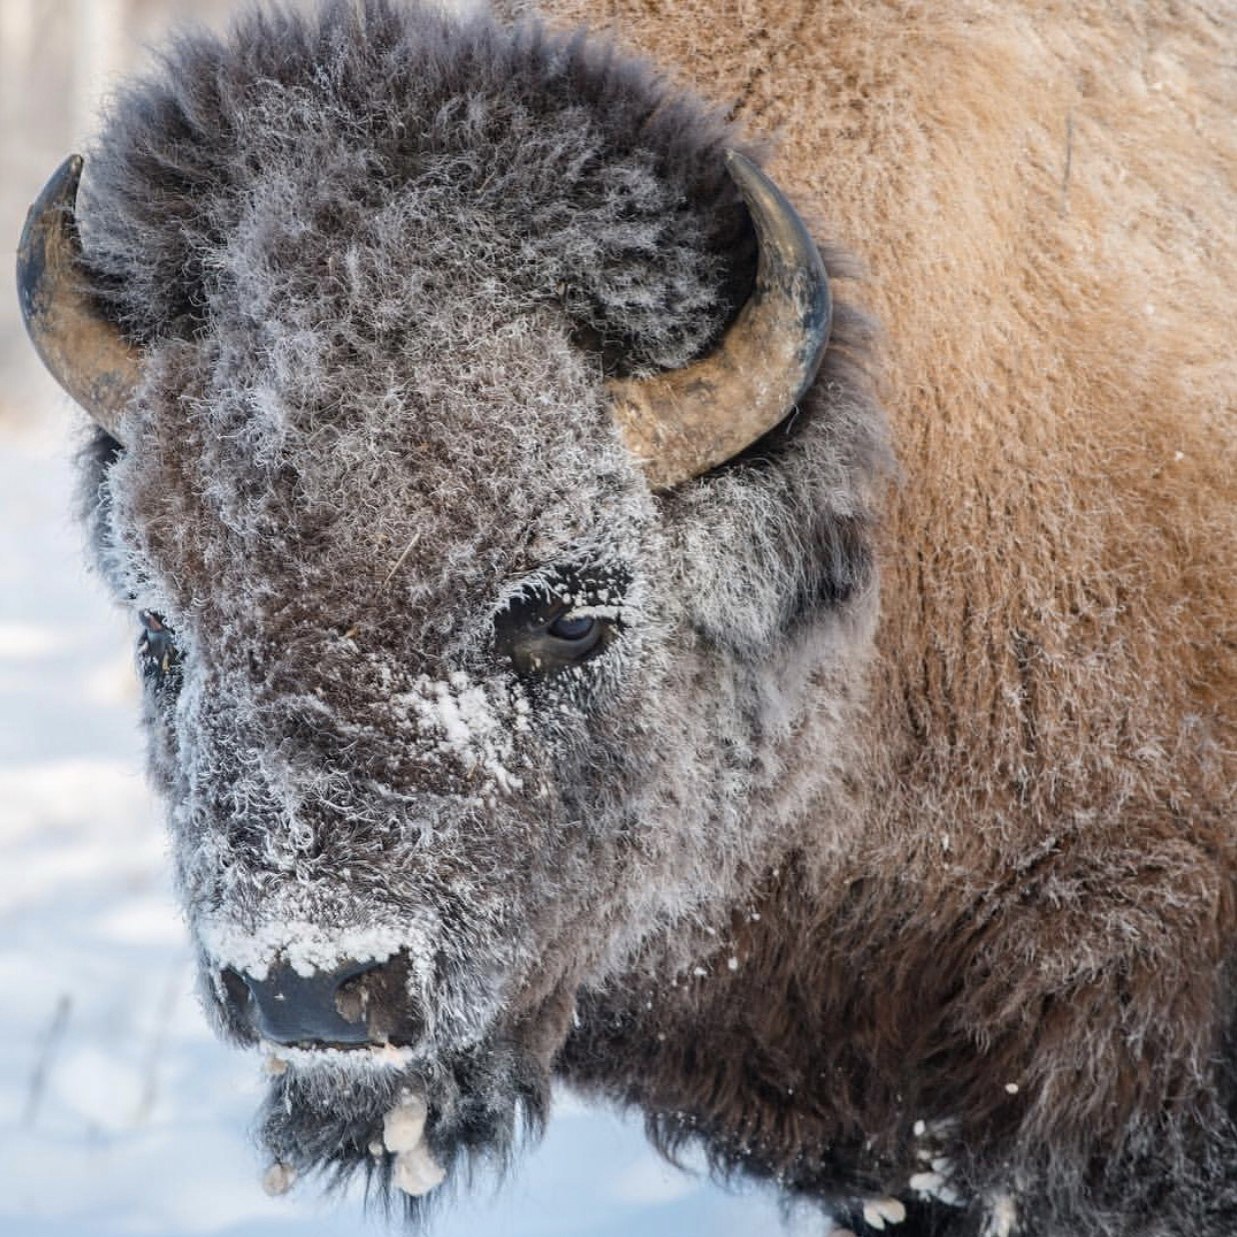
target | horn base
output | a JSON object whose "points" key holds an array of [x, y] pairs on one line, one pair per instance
{"points": [[86, 355], [684, 423]]}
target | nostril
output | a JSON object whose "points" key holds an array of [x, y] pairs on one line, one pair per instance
{"points": [[356, 1003], [377, 996], [354, 996], [235, 989]]}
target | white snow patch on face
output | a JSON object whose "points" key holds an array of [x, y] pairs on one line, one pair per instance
{"points": [[309, 948], [599, 610], [470, 729], [359, 1061]]}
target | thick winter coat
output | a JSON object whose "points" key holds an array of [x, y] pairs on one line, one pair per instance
{"points": [[881, 838]]}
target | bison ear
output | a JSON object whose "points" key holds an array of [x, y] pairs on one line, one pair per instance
{"points": [[682, 423], [86, 354]]}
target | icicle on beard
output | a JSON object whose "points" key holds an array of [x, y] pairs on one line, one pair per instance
{"points": [[328, 1121]]}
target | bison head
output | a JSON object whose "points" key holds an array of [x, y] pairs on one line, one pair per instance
{"points": [[498, 625]]}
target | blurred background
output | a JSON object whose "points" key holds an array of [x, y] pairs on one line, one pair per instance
{"points": [[119, 1113]]}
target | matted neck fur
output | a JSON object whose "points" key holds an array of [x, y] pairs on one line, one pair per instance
{"points": [[955, 957]]}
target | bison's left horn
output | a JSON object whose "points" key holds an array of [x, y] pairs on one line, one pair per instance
{"points": [[684, 422], [87, 355]]}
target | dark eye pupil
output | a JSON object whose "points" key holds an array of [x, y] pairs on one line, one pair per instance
{"points": [[572, 626]]}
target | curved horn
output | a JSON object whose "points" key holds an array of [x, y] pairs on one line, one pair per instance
{"points": [[87, 355], [684, 422]]}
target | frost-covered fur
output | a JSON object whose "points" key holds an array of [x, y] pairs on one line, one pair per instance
{"points": [[968, 946]]}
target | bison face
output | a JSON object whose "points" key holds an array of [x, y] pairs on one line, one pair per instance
{"points": [[462, 695], [429, 692], [407, 698]]}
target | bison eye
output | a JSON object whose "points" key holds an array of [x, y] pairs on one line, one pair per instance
{"points": [[540, 639], [565, 615], [156, 650], [540, 636], [573, 627]]}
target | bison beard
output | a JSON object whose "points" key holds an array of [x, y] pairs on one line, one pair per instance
{"points": [[328, 1118]]}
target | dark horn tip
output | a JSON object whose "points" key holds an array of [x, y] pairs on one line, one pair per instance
{"points": [[789, 259], [58, 195], [737, 159], [70, 169], [59, 191]]}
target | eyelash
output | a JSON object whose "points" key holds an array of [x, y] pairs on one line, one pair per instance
{"points": [[541, 635]]}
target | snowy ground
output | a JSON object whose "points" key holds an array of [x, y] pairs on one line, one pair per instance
{"points": [[119, 1113]]}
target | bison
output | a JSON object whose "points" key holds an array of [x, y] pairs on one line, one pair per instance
{"points": [[589, 634]]}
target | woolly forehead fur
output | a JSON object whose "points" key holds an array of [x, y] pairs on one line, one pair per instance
{"points": [[380, 263]]}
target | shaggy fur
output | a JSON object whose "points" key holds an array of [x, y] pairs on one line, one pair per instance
{"points": [[969, 945], [1042, 893]]}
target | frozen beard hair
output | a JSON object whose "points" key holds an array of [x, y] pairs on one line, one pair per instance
{"points": [[380, 263], [407, 1130]]}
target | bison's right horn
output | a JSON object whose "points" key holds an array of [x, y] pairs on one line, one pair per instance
{"points": [[682, 423], [87, 355]]}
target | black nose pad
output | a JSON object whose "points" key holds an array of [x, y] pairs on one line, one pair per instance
{"points": [[357, 1003]]}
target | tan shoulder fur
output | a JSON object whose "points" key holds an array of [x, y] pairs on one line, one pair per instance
{"points": [[1042, 197]]}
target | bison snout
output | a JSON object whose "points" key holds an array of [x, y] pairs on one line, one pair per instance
{"points": [[356, 1003]]}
